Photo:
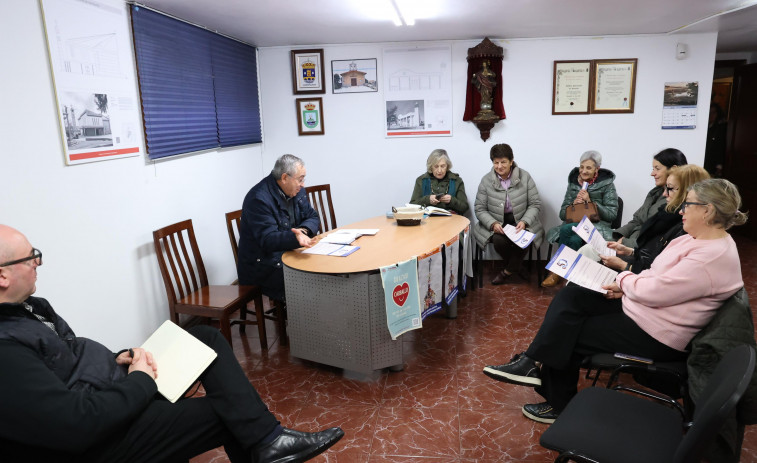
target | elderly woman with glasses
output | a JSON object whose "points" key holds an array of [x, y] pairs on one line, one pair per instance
{"points": [[661, 228], [662, 162], [439, 186], [588, 183], [653, 314]]}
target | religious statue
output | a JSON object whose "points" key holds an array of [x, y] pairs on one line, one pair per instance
{"points": [[485, 80]]}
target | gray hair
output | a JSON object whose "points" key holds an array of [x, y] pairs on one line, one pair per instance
{"points": [[286, 164], [593, 156], [725, 200], [436, 156]]}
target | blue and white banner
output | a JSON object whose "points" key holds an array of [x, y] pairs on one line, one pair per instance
{"points": [[452, 250], [403, 303], [430, 281]]}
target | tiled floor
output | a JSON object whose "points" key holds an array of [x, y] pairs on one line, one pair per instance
{"points": [[441, 408]]}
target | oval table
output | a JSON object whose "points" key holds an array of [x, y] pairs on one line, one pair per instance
{"points": [[335, 305]]}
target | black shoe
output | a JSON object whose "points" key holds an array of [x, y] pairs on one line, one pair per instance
{"points": [[501, 278], [543, 412], [295, 446], [521, 370]]}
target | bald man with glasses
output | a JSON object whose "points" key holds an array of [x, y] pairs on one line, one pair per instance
{"points": [[69, 399]]}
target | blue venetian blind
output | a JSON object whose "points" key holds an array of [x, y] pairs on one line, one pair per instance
{"points": [[198, 89]]}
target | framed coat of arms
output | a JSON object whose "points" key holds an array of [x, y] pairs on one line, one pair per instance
{"points": [[310, 116], [308, 75]]}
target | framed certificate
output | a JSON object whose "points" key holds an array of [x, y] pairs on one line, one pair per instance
{"points": [[571, 87], [614, 82], [308, 75]]}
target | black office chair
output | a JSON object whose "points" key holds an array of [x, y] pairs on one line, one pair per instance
{"points": [[616, 223], [600, 425]]}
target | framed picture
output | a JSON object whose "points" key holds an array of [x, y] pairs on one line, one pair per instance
{"points": [[308, 76], [721, 96], [310, 116], [614, 82], [571, 87], [354, 76]]}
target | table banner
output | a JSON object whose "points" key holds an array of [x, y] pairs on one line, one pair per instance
{"points": [[401, 296], [452, 250], [467, 257], [430, 276]]}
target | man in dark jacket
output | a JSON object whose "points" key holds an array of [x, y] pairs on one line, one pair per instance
{"points": [[276, 217], [69, 399]]}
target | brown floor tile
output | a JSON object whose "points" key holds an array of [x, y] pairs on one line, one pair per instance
{"points": [[417, 432], [428, 389]]}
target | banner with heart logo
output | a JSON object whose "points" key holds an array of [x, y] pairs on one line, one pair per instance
{"points": [[430, 281], [401, 296]]}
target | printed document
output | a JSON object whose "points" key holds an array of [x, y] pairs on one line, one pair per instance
{"points": [[522, 238], [348, 235], [589, 233], [580, 270], [331, 249], [181, 359]]}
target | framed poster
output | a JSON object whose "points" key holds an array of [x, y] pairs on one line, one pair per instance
{"points": [[90, 50], [308, 76], [721, 96], [571, 87], [354, 76], [614, 85], [310, 116]]}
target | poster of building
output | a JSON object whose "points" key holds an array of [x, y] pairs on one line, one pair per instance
{"points": [[418, 91], [430, 282], [90, 54]]}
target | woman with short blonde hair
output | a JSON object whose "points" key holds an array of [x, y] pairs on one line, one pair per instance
{"points": [[439, 186]]}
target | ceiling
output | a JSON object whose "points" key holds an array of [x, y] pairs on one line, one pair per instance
{"points": [[267, 23]]}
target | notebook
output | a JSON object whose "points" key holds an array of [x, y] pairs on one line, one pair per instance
{"points": [[181, 359]]}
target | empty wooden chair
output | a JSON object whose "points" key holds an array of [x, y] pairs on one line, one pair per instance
{"points": [[233, 226], [187, 286], [320, 199]]}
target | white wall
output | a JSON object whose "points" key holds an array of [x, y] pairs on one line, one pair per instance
{"points": [[94, 222], [369, 173]]}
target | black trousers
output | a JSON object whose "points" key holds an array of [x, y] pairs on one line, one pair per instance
{"points": [[581, 322], [511, 253], [231, 414]]}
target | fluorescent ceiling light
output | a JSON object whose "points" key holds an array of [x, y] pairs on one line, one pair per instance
{"points": [[403, 11]]}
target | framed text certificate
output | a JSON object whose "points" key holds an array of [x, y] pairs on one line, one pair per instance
{"points": [[571, 87], [614, 85]]}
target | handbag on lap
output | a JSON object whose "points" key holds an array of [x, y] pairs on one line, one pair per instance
{"points": [[575, 212]]}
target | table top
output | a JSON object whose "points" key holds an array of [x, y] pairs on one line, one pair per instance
{"points": [[390, 245]]}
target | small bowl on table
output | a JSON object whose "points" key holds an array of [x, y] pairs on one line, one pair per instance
{"points": [[408, 216]]}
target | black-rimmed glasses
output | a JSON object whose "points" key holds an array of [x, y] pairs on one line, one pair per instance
{"points": [[685, 204], [36, 255]]}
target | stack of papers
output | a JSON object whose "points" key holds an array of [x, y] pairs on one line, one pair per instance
{"points": [[331, 249], [431, 210], [348, 235]]}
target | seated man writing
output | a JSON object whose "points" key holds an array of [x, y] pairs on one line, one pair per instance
{"points": [[69, 399]]}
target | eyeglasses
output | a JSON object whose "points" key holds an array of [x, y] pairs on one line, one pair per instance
{"points": [[686, 204], [36, 256], [669, 189]]}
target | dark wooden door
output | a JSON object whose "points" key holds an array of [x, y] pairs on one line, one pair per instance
{"points": [[741, 158]]}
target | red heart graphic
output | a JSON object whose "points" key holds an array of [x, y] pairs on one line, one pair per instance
{"points": [[399, 294]]}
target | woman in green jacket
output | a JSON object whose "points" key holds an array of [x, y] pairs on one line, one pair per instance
{"points": [[439, 186], [587, 183]]}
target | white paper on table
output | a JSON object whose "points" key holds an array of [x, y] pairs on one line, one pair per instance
{"points": [[589, 233], [580, 270], [522, 238], [339, 237], [360, 231], [331, 249]]}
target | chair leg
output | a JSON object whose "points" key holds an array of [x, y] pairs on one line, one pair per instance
{"points": [[281, 323], [243, 316], [225, 326], [260, 317]]}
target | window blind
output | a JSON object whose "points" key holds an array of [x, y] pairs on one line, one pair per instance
{"points": [[199, 90]]}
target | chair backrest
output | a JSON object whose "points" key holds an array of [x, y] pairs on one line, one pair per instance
{"points": [[316, 195], [723, 391], [618, 218], [179, 260], [232, 218]]}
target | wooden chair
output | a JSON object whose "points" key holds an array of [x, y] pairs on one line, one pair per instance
{"points": [[315, 195], [187, 286], [277, 314]]}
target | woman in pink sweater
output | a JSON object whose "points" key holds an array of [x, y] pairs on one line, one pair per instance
{"points": [[653, 314]]}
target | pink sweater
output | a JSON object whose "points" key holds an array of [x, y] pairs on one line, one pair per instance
{"points": [[680, 293]]}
